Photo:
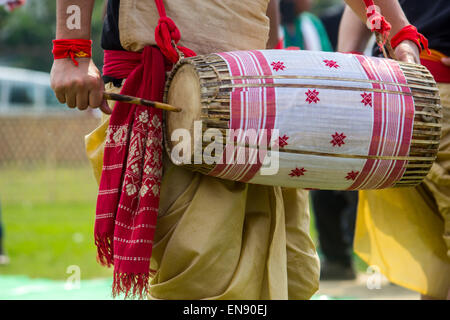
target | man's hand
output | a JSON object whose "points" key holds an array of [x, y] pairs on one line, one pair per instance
{"points": [[78, 86], [407, 51]]}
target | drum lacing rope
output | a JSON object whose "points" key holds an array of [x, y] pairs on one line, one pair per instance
{"points": [[167, 36]]}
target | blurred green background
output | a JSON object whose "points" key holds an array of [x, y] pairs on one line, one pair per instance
{"points": [[48, 215]]}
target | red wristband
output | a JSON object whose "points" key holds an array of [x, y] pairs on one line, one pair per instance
{"points": [[410, 33], [72, 48]]}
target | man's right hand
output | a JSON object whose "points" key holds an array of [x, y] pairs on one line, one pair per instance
{"points": [[407, 51], [78, 86]]}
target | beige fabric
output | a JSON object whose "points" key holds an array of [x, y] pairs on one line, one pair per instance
{"points": [[234, 24], [217, 239], [227, 240], [406, 232], [438, 180]]}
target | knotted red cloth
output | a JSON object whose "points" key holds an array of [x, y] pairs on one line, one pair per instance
{"points": [[167, 35], [72, 48], [410, 33], [128, 197], [119, 64], [377, 22]]}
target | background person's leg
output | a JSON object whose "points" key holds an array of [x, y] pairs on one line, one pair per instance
{"points": [[332, 211], [348, 220], [4, 259]]}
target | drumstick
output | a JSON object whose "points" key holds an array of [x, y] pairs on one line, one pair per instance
{"points": [[139, 101]]}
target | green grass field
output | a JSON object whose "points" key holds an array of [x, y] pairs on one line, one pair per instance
{"points": [[48, 216]]}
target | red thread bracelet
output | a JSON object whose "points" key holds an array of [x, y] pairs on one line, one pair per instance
{"points": [[410, 33], [72, 48]]}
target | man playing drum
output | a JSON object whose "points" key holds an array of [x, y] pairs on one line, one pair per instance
{"points": [[214, 239]]}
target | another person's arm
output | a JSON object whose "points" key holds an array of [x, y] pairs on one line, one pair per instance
{"points": [[407, 50], [273, 12], [78, 86]]}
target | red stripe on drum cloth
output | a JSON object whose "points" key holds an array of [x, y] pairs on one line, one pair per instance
{"points": [[238, 115], [390, 126], [243, 97], [404, 133], [246, 97], [250, 108], [235, 114], [393, 118], [407, 120], [394, 112], [267, 110]]}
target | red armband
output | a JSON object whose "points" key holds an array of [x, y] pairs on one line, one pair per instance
{"points": [[410, 33], [72, 48]]}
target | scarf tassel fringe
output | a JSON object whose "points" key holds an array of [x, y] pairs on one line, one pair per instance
{"points": [[131, 285], [105, 254]]}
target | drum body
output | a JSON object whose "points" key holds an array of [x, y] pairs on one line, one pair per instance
{"points": [[335, 121]]}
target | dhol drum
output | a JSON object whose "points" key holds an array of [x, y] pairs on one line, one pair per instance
{"points": [[304, 119]]}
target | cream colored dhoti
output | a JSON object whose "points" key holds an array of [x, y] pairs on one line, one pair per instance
{"points": [[218, 239], [406, 232]]}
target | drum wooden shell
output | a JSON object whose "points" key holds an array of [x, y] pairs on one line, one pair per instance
{"points": [[202, 86]]}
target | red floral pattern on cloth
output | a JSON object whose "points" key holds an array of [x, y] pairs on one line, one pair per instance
{"points": [[312, 96], [128, 197], [297, 172], [338, 139], [366, 99], [279, 65], [331, 64], [282, 141], [148, 148], [352, 175]]}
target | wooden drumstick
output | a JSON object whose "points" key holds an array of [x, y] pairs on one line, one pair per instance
{"points": [[139, 101]]}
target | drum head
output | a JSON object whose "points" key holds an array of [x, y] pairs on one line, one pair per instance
{"points": [[184, 92]]}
